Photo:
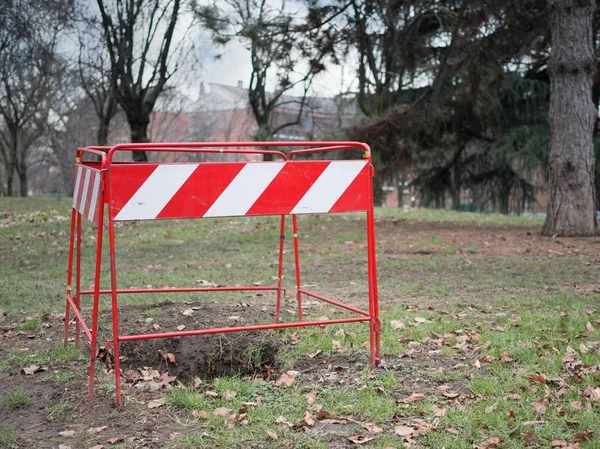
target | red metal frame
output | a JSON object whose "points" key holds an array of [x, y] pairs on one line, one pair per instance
{"points": [[73, 302]]}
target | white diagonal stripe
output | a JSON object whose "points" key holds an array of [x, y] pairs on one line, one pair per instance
{"points": [[244, 190], [156, 192], [94, 200], [84, 192], [329, 187], [76, 190]]}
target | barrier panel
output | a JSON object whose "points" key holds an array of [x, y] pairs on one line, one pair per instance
{"points": [[163, 190]]}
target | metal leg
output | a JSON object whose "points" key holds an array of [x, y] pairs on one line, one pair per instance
{"points": [[69, 276], [297, 262], [375, 324], [115, 307], [77, 298], [280, 268], [96, 300]]}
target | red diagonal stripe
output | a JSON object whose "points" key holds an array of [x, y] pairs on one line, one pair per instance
{"points": [[201, 189], [356, 197], [124, 181], [288, 187]]}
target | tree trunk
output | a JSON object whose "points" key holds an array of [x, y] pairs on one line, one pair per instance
{"points": [[23, 183], [572, 196], [10, 175], [139, 134], [102, 135]]}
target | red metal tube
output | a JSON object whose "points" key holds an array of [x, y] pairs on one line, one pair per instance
{"points": [[78, 278], [200, 147], [69, 278], [96, 299], [280, 268], [182, 290], [334, 302], [297, 261], [79, 318], [115, 306], [223, 330]]}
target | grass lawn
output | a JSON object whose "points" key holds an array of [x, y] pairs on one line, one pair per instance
{"points": [[490, 337]]}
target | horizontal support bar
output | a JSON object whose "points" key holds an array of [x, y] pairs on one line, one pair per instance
{"points": [[223, 330], [334, 302], [183, 289], [79, 318]]}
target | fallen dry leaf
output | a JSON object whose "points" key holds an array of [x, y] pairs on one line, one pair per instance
{"points": [[311, 397], [308, 419], [286, 379], [336, 345], [97, 429], [506, 358], [97, 446], [589, 327], [490, 443], [530, 438], [415, 397], [114, 440], [559, 443], [486, 358], [181, 327], [541, 405], [222, 411], [482, 347], [34, 369], [373, 428], [271, 434], [360, 439], [67, 433], [212, 394], [404, 431], [491, 408], [157, 403], [229, 394], [397, 325], [187, 312], [200, 414], [537, 378], [583, 436], [438, 411]]}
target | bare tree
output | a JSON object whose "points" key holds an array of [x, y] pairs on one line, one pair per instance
{"points": [[138, 35], [94, 70], [572, 66], [29, 65], [279, 43]]}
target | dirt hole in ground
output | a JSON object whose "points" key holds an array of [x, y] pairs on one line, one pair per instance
{"points": [[203, 356], [206, 356]]}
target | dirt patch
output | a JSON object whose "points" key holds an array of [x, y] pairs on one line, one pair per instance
{"points": [[206, 356]]}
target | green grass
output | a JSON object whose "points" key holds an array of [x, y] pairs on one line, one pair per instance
{"points": [[441, 266], [31, 325], [59, 354], [8, 437], [15, 399]]}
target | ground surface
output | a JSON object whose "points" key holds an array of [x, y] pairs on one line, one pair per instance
{"points": [[490, 336]]}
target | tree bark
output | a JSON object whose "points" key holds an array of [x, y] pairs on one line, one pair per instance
{"points": [[572, 195], [139, 134], [10, 175], [23, 182]]}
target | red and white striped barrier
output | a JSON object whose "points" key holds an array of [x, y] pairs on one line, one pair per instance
{"points": [[86, 192], [151, 191]]}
